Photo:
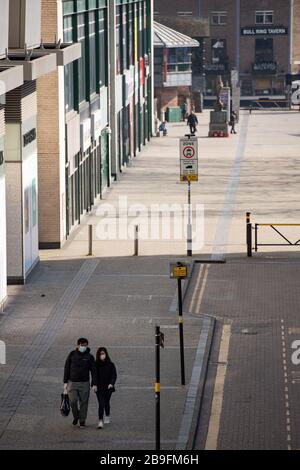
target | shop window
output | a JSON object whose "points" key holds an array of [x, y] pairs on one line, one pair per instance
{"points": [[118, 41], [263, 86], [103, 59], [69, 69], [130, 35], [219, 51], [179, 59], [218, 18], [82, 61], [140, 13], [92, 53], [246, 87], [124, 39], [264, 17], [264, 50]]}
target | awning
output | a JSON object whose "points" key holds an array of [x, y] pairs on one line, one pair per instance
{"points": [[167, 37]]}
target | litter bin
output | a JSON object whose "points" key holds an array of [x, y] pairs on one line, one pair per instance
{"points": [[174, 114]]}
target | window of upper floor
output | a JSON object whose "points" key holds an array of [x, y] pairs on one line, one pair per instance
{"points": [[218, 18], [264, 17]]}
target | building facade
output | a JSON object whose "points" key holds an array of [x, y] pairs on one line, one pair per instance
{"points": [[257, 38], [100, 107], [23, 61], [172, 68]]}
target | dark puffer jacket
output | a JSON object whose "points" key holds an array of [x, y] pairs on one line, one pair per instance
{"points": [[79, 366], [106, 374]]}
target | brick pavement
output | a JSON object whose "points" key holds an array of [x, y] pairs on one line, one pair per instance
{"points": [[261, 407]]}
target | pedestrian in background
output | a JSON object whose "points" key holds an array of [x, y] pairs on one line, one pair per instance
{"points": [[192, 121], [106, 376], [163, 128], [233, 117], [79, 367], [183, 111]]}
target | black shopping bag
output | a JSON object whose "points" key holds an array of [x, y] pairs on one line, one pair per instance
{"points": [[65, 405]]}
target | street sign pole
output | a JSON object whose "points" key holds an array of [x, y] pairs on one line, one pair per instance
{"points": [[189, 173], [180, 271], [189, 227], [180, 322], [159, 343], [157, 388]]}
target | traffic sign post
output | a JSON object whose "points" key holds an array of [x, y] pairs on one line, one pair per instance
{"points": [[189, 172], [159, 343], [180, 271], [189, 158]]}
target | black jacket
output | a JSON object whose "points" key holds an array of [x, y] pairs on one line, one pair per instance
{"points": [[192, 119], [79, 366], [106, 374]]}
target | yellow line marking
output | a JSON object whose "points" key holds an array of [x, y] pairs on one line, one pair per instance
{"points": [[206, 268], [216, 408]]}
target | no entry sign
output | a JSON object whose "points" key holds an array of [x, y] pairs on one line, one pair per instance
{"points": [[189, 159]]}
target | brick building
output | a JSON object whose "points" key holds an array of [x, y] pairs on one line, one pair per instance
{"points": [[259, 38], [23, 61], [172, 67]]}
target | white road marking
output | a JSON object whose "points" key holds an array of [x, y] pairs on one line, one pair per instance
{"points": [[196, 288], [206, 268], [286, 389]]}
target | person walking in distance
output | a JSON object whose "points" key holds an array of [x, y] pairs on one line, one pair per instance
{"points": [[183, 111], [79, 366], [192, 121], [106, 376], [233, 118]]}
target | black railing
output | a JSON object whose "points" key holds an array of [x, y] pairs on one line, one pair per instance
{"points": [[277, 228]]}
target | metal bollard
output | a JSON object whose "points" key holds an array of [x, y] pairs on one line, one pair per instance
{"points": [[249, 234], [90, 240], [136, 240]]}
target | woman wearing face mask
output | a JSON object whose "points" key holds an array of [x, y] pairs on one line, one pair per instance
{"points": [[106, 376]]}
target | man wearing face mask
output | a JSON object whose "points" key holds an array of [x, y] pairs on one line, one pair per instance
{"points": [[80, 365]]}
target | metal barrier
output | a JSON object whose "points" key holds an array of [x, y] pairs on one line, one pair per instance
{"points": [[268, 104], [274, 227]]}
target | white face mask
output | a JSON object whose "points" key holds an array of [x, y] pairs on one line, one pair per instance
{"points": [[82, 349]]}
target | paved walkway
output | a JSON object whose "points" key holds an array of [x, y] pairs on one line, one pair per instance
{"points": [[116, 299]]}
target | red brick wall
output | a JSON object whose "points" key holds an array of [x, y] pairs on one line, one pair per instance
{"points": [[171, 96]]}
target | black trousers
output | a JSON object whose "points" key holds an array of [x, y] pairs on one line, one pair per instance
{"points": [[193, 128], [104, 403]]}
